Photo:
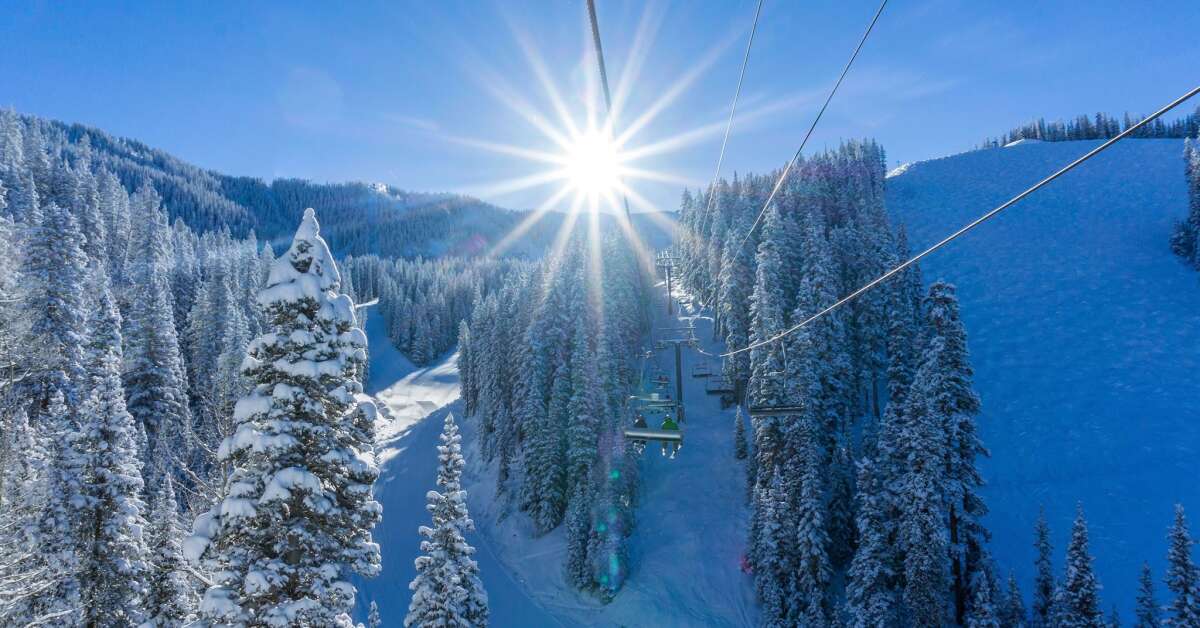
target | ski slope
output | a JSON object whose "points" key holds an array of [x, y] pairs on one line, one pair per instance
{"points": [[416, 401], [1084, 333], [691, 519]]}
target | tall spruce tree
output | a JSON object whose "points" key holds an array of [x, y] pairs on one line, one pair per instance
{"points": [[171, 598], [113, 513], [54, 274], [447, 590], [1077, 602], [296, 512], [1012, 613], [1148, 614], [944, 381], [155, 383], [1043, 580], [740, 448], [1182, 577]]}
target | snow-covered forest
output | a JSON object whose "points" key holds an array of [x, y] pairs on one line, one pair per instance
{"points": [[1098, 127], [423, 301], [362, 218], [547, 362]]}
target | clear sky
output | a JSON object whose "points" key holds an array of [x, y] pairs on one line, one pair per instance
{"points": [[404, 92]]}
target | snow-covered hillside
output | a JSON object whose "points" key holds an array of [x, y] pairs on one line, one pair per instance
{"points": [[1085, 338]]}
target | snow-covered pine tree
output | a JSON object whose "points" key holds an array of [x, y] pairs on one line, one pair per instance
{"points": [[171, 599], [112, 515], [773, 572], [155, 384], [1077, 601], [983, 611], [373, 618], [579, 529], [1148, 614], [740, 448], [53, 275], [766, 387], [921, 531], [296, 512], [1012, 611], [1182, 576], [466, 369], [737, 283], [871, 596], [447, 591], [813, 570], [24, 571], [59, 523], [1043, 580], [944, 381]]}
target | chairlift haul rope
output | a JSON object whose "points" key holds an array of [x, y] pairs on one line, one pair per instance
{"points": [[796, 157]]}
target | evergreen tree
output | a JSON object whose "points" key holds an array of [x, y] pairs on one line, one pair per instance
{"points": [[1077, 602], [295, 516], [813, 570], [773, 572], [871, 595], [944, 380], [447, 590], [54, 274], [25, 573], [1148, 613], [59, 523], [170, 600], [155, 384], [373, 619], [983, 611], [112, 512], [1012, 614], [1043, 582], [579, 528], [921, 532], [1182, 577], [740, 448]]}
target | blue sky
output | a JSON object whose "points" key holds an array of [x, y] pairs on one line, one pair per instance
{"points": [[389, 91]]}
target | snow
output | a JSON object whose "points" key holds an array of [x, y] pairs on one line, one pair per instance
{"points": [[415, 403], [287, 480], [899, 170], [1084, 332], [1024, 140], [203, 530]]}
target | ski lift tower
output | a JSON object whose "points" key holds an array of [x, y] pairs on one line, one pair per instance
{"points": [[667, 263], [679, 342]]}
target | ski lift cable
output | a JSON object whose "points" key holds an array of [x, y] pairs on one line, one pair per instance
{"points": [[971, 225], [612, 123], [796, 157], [712, 194]]}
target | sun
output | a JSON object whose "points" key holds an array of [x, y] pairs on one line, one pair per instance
{"points": [[592, 164]]}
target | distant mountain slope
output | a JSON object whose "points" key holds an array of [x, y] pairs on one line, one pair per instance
{"points": [[1085, 337], [361, 218]]}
